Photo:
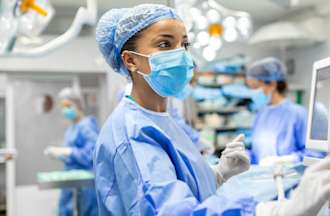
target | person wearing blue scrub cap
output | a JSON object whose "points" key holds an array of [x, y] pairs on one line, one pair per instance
{"points": [[145, 163], [279, 129], [77, 152]]}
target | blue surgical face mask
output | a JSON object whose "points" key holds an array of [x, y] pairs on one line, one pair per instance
{"points": [[260, 99], [70, 113], [170, 73], [185, 93]]}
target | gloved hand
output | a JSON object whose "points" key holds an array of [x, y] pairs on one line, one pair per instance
{"points": [[57, 152], [234, 160], [7, 154], [273, 160], [310, 196]]}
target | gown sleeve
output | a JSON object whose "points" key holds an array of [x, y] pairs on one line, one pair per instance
{"points": [[84, 155]]}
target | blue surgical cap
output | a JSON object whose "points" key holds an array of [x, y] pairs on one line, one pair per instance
{"points": [[117, 26], [267, 69]]}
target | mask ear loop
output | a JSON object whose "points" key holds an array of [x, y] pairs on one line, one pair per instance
{"points": [[139, 54]]}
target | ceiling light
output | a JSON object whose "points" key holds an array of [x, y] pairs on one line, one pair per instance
{"points": [[209, 53], [229, 22], [213, 16], [230, 35], [197, 45], [201, 22], [203, 38], [215, 43]]}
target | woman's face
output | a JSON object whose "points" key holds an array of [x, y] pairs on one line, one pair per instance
{"points": [[161, 36], [268, 88]]}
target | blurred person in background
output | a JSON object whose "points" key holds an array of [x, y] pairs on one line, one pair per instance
{"points": [[76, 153], [279, 130]]}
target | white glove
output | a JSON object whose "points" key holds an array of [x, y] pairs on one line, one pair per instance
{"points": [[234, 160], [57, 152], [7, 154], [273, 160], [310, 196]]}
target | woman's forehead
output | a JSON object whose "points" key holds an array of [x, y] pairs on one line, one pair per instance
{"points": [[172, 27]]}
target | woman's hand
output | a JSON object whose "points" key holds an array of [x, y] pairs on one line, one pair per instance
{"points": [[234, 160]]}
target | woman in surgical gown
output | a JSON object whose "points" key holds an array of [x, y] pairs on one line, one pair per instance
{"points": [[145, 163], [79, 142], [279, 129]]}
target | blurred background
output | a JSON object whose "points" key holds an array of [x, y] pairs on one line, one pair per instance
{"points": [[226, 35]]}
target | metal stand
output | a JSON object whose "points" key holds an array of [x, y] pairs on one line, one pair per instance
{"points": [[75, 202]]}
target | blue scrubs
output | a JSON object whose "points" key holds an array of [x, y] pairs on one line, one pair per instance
{"points": [[81, 137], [280, 130], [145, 164]]}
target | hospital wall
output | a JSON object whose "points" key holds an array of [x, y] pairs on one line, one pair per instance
{"points": [[304, 58], [80, 55]]}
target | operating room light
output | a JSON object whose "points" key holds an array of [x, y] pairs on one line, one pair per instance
{"points": [[213, 25], [197, 12], [209, 53], [32, 24], [230, 35], [201, 22], [203, 38], [215, 43], [8, 28], [244, 23], [229, 22], [197, 45], [28, 18], [213, 15]]}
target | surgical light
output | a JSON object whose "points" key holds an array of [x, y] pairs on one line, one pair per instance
{"points": [[230, 35], [201, 22], [197, 45], [195, 12], [229, 22], [209, 53], [215, 43], [203, 38], [213, 16], [215, 30]]}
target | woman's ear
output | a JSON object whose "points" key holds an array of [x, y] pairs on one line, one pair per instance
{"points": [[129, 60], [273, 85]]}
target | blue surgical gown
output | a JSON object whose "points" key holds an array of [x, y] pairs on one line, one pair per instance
{"points": [[280, 130], [81, 137], [145, 164], [191, 132]]}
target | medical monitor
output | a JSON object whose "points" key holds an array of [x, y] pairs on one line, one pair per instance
{"points": [[318, 118]]}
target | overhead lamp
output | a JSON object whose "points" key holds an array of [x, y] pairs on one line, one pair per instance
{"points": [[201, 22], [213, 16], [215, 43], [215, 30], [230, 35], [197, 12], [209, 53], [197, 45], [203, 38], [30, 18], [229, 22]]}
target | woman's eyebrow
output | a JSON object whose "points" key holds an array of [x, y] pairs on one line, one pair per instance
{"points": [[164, 36], [169, 36]]}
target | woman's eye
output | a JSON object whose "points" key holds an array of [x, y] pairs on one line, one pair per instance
{"points": [[186, 45], [164, 45]]}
